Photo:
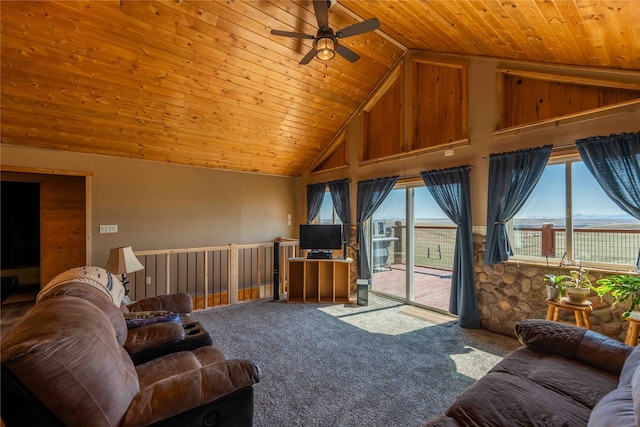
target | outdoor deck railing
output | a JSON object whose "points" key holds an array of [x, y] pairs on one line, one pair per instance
{"points": [[213, 276], [615, 246], [434, 245]]}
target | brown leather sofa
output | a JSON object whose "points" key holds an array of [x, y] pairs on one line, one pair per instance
{"points": [[563, 375], [65, 363]]}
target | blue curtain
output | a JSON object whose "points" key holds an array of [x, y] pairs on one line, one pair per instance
{"points": [[450, 188], [371, 194], [512, 177], [315, 194], [341, 203], [614, 161]]}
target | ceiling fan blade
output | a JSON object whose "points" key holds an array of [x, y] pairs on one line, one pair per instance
{"points": [[347, 53], [359, 28], [322, 12], [308, 57], [291, 34]]}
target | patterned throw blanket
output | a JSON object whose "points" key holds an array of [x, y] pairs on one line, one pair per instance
{"points": [[136, 319], [97, 277]]}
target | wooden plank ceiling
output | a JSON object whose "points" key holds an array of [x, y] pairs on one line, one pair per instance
{"points": [[206, 84]]}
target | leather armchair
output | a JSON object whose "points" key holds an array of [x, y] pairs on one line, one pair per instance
{"points": [[64, 363], [148, 342]]}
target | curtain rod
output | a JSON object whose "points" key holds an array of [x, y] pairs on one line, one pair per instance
{"points": [[416, 176], [554, 148]]}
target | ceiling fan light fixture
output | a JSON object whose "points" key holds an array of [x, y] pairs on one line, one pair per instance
{"points": [[325, 48]]}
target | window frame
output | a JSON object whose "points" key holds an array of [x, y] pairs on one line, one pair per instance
{"points": [[568, 161], [335, 219]]}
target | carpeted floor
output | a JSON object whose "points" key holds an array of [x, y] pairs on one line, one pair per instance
{"points": [[346, 365]]}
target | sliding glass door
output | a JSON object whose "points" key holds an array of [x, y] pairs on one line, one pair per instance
{"points": [[413, 242], [434, 242], [387, 240]]}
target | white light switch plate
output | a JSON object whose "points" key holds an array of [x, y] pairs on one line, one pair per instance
{"points": [[108, 229]]}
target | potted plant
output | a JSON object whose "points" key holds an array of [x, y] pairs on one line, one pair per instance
{"points": [[575, 285], [622, 287], [555, 286], [555, 283], [578, 285]]}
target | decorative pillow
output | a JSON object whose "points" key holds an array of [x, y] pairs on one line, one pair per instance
{"points": [[549, 337], [97, 277], [143, 318]]}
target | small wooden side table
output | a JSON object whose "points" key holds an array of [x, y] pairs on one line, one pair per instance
{"points": [[581, 311], [634, 329]]}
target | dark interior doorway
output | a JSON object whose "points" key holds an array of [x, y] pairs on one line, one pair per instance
{"points": [[19, 233], [20, 224]]}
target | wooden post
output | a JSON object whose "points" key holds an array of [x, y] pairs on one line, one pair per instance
{"points": [[397, 245], [548, 240], [206, 279], [167, 274], [233, 274]]}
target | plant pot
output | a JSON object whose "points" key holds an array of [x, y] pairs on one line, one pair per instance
{"points": [[578, 295], [553, 293]]}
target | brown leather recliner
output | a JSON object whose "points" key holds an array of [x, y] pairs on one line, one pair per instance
{"points": [[64, 363], [148, 342]]}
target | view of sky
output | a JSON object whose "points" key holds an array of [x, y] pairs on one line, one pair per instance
{"points": [[394, 205], [588, 197], [546, 201]]}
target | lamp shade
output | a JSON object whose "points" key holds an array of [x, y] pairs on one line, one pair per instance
{"points": [[325, 48], [122, 261]]}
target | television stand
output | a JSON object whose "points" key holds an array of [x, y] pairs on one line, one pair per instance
{"points": [[320, 254], [319, 280]]}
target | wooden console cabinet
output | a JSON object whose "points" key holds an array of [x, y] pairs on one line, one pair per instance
{"points": [[319, 280]]}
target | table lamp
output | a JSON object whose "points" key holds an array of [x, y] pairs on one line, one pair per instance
{"points": [[122, 261]]}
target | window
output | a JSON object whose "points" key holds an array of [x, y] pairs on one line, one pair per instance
{"points": [[327, 213], [568, 214]]}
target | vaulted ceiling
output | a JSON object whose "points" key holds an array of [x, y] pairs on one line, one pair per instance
{"points": [[206, 84]]}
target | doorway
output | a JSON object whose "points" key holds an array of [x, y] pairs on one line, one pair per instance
{"points": [[60, 234], [20, 239], [412, 243]]}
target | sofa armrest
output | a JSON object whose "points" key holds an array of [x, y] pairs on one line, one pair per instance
{"points": [[184, 391], [152, 341], [573, 342], [176, 303]]}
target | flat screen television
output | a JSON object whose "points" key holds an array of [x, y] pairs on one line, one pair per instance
{"points": [[320, 238]]}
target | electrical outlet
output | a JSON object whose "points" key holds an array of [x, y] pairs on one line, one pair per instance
{"points": [[108, 229], [147, 280], [289, 219]]}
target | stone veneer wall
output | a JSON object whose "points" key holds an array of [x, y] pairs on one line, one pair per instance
{"points": [[512, 291]]}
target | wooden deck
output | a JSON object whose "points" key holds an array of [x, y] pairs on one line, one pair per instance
{"points": [[431, 287]]}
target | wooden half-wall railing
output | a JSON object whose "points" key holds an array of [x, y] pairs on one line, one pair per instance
{"points": [[214, 275]]}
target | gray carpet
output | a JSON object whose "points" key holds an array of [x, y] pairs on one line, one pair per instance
{"points": [[346, 365]]}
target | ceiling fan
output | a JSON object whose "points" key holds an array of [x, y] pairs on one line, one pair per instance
{"points": [[325, 42]]}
